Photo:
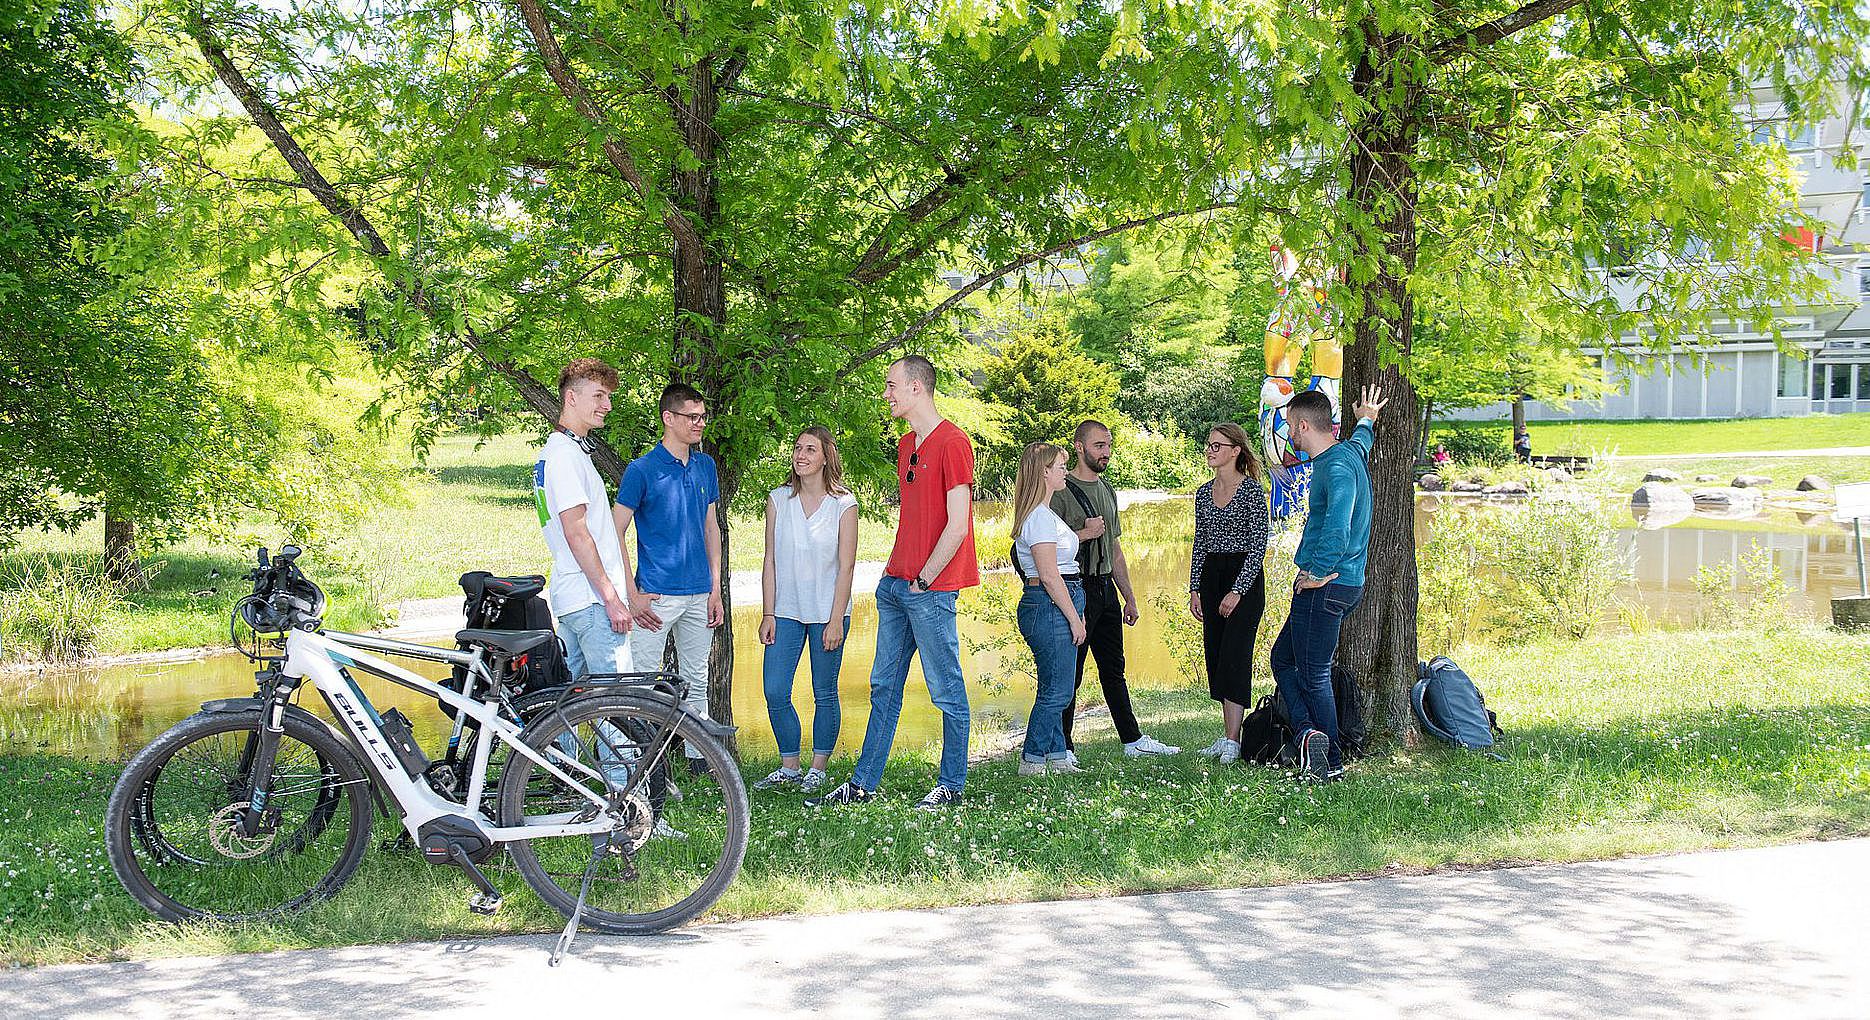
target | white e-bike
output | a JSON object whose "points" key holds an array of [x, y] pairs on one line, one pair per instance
{"points": [[256, 805]]}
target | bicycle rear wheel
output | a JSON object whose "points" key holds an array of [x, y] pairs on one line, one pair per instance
{"points": [[679, 839], [171, 829]]}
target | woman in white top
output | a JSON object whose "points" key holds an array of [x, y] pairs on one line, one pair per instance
{"points": [[1051, 610], [805, 597]]}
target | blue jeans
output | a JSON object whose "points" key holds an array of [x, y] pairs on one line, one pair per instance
{"points": [[590, 645], [1055, 663], [781, 665], [911, 622], [1302, 659]]}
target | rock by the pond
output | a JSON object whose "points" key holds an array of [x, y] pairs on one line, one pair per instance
{"points": [[1558, 474], [1506, 489], [1661, 475], [1752, 482], [1734, 501], [1430, 482], [1814, 483], [1657, 495], [1466, 487], [1707, 478]]}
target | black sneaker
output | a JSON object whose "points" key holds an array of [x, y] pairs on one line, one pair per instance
{"points": [[698, 767], [1334, 774], [1314, 755], [843, 793], [938, 798]]}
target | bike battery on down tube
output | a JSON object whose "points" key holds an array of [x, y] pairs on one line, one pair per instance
{"points": [[402, 738]]}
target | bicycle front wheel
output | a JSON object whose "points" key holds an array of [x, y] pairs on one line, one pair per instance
{"points": [[172, 830], [680, 832]]}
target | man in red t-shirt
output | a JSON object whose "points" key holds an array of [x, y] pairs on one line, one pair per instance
{"points": [[932, 561]]}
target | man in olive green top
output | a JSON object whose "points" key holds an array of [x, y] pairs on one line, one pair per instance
{"points": [[1088, 505]]}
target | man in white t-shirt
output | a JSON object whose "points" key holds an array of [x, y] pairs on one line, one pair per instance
{"points": [[590, 586]]}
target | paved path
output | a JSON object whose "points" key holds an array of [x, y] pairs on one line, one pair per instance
{"points": [[1832, 451], [1748, 933]]}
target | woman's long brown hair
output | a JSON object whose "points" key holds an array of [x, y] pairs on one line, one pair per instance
{"points": [[834, 464], [1244, 462]]}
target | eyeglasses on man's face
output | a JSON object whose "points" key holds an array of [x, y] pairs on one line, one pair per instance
{"points": [[695, 418]]}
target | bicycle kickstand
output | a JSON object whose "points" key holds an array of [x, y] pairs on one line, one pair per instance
{"points": [[577, 912]]}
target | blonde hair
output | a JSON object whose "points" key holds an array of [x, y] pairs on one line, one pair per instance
{"points": [[834, 464], [1029, 491], [1244, 461]]}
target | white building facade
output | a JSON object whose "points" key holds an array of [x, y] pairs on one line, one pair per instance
{"points": [[1736, 373]]}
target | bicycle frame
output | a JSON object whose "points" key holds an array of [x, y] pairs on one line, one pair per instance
{"points": [[321, 658]]}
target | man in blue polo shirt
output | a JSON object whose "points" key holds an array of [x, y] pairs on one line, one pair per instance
{"points": [[670, 494]]}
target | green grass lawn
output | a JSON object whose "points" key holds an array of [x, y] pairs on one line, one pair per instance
{"points": [[1718, 436], [1619, 745]]}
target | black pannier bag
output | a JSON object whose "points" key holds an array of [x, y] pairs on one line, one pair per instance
{"points": [[513, 603]]}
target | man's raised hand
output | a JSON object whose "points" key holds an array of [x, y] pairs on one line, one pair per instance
{"points": [[1372, 403]]}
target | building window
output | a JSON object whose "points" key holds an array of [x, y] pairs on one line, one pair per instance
{"points": [[1801, 137], [1863, 278], [1863, 381], [1791, 375], [1818, 384], [1840, 382]]}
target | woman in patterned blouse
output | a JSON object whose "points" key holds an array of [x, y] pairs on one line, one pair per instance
{"points": [[1226, 583]]}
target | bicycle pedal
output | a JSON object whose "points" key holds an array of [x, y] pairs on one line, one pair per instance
{"points": [[485, 905]]}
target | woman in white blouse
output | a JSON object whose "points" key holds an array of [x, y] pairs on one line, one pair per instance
{"points": [[805, 597], [1051, 609]]}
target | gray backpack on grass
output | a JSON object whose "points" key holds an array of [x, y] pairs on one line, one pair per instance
{"points": [[1448, 705]]}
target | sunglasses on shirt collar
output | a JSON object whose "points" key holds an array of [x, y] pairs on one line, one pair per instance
{"points": [[911, 476]]}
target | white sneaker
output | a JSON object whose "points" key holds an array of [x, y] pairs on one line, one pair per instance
{"points": [[1147, 744], [1230, 752], [664, 830], [1031, 768], [1216, 749], [815, 780], [1063, 766], [1072, 756]]}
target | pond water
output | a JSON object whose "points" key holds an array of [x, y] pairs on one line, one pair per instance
{"points": [[110, 712]]}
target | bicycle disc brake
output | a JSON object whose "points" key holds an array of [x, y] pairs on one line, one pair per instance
{"points": [[224, 833]]}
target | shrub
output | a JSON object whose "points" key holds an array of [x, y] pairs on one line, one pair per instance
{"points": [[1719, 585], [1542, 568], [1153, 460], [1488, 444], [52, 608]]}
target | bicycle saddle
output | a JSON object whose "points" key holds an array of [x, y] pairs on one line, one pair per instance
{"points": [[507, 642]]}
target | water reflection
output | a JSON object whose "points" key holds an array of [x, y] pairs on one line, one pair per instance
{"points": [[97, 713]]}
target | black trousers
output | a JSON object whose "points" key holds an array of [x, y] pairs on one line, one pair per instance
{"points": [[1228, 640], [1103, 638]]}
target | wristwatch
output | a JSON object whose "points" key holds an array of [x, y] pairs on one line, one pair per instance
{"points": [[918, 583]]}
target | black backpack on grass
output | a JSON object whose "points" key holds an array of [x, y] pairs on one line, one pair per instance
{"points": [[1265, 732]]}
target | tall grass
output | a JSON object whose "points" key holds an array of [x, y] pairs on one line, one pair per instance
{"points": [[52, 608]]}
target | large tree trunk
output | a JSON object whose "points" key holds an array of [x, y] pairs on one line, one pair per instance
{"points": [[1379, 637], [700, 314], [120, 562]]}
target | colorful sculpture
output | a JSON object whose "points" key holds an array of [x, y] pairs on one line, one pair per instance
{"points": [[1301, 319]]}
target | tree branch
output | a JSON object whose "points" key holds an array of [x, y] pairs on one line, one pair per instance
{"points": [[401, 278], [915, 328], [559, 68], [1499, 28]]}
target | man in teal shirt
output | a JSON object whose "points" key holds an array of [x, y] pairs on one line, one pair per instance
{"points": [[1330, 580]]}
